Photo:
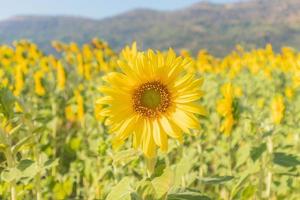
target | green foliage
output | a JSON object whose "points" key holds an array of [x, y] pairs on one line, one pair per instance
{"points": [[63, 190], [7, 101], [256, 152], [216, 180], [285, 160], [187, 196], [42, 150], [122, 191]]}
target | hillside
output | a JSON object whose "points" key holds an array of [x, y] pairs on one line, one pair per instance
{"points": [[216, 27]]}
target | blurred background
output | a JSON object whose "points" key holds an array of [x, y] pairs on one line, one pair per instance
{"points": [[215, 25]]}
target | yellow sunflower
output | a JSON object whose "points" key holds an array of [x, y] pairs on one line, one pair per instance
{"points": [[225, 108], [151, 99], [224, 105], [277, 109]]}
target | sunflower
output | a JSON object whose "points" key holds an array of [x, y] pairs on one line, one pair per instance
{"points": [[224, 105], [277, 109], [225, 108], [39, 88], [151, 99]]}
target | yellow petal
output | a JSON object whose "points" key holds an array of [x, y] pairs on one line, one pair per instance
{"points": [[192, 107]]}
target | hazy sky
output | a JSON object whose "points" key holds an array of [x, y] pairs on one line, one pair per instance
{"points": [[88, 8]]}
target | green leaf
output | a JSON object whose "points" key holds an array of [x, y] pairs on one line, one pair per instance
{"points": [[11, 174], [182, 168], [285, 160], [163, 183], [245, 193], [28, 168], [146, 190], [236, 190], [63, 190], [47, 163], [187, 196], [124, 157], [242, 155], [15, 129], [122, 191], [39, 130], [51, 163], [68, 186], [2, 147], [25, 169], [289, 174], [159, 168], [216, 180], [256, 152], [3, 139], [7, 102], [22, 142], [75, 143], [135, 196], [25, 164], [248, 192]]}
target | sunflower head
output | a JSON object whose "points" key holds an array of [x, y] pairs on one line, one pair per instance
{"points": [[151, 99]]}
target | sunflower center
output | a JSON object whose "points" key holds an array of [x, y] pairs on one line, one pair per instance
{"points": [[150, 99]]}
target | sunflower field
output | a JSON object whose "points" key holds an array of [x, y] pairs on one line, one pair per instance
{"points": [[90, 123]]}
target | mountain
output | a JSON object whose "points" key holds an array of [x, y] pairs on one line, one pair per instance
{"points": [[216, 27]]}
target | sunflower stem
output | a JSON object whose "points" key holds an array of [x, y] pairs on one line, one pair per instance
{"points": [[230, 154], [54, 131], [167, 160], [38, 175], [9, 155], [36, 153], [269, 175], [201, 170], [261, 168], [150, 164], [11, 164], [261, 177]]}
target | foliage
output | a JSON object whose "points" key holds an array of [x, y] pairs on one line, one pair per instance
{"points": [[56, 144]]}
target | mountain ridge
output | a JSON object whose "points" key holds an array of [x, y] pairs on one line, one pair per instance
{"points": [[216, 27]]}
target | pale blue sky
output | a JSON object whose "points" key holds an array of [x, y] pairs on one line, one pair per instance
{"points": [[89, 8]]}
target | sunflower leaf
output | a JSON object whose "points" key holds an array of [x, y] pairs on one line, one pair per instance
{"points": [[163, 183], [257, 151], [216, 180], [285, 160], [187, 196], [122, 191]]}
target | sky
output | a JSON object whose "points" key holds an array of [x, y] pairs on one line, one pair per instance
{"points": [[89, 8]]}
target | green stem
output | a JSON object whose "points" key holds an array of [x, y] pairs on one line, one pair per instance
{"points": [[201, 170], [167, 160], [11, 164], [261, 168], [199, 148], [297, 142], [261, 177], [37, 157], [10, 161], [269, 176], [150, 164], [54, 131], [230, 154], [38, 175]]}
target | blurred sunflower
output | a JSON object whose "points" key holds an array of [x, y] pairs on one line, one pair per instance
{"points": [[150, 100], [225, 108], [277, 109]]}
